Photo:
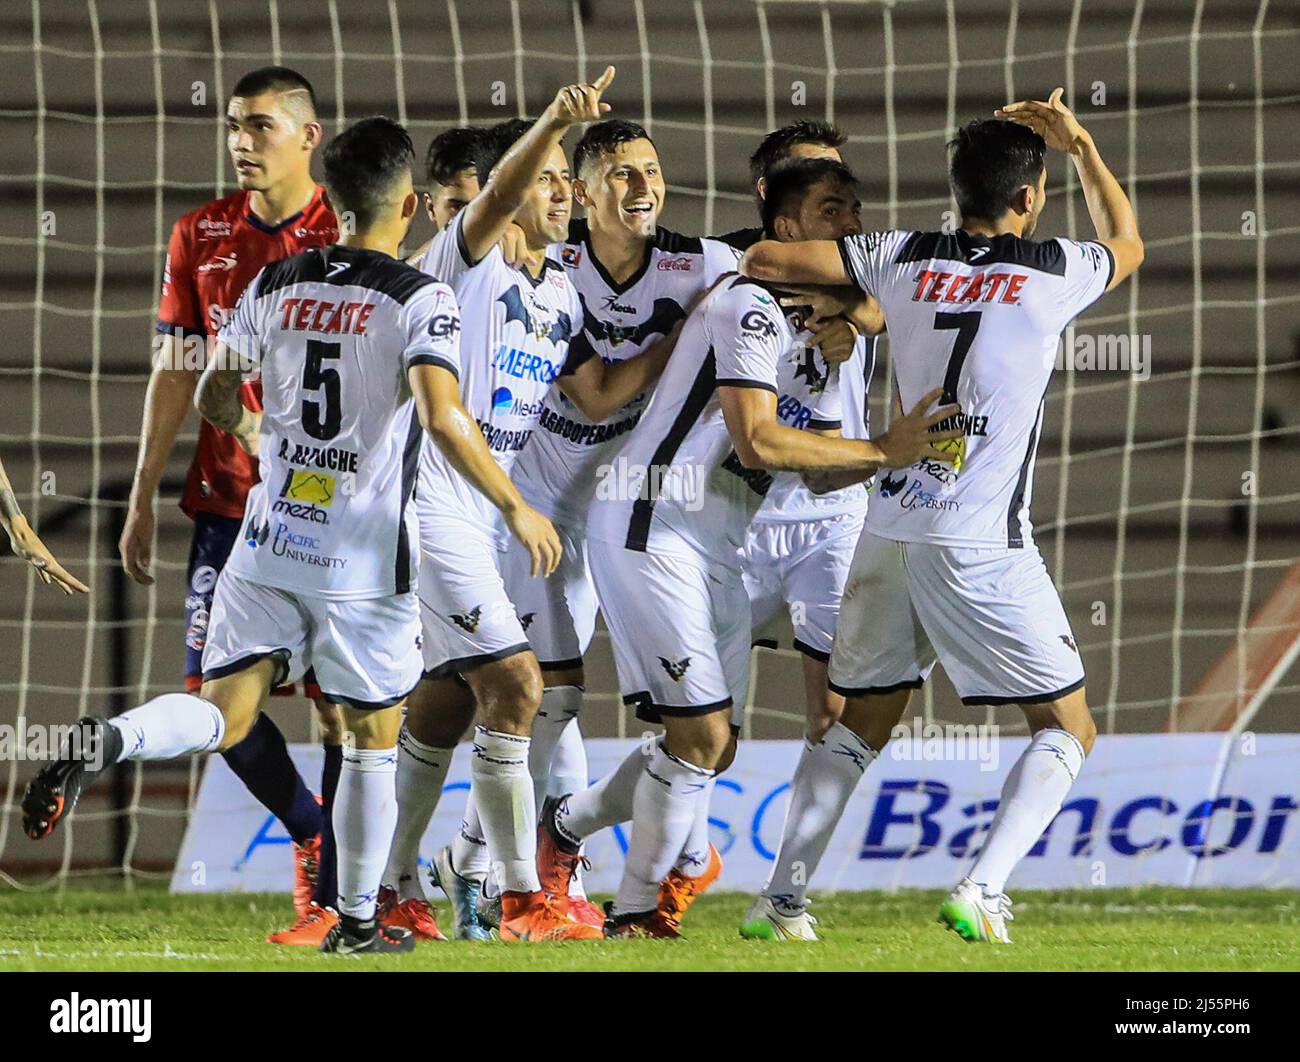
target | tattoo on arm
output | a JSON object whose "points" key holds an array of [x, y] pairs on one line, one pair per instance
{"points": [[218, 399]]}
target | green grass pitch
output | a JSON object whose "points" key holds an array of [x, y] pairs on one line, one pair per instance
{"points": [[1116, 929]]}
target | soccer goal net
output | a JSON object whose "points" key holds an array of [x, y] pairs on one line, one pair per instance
{"points": [[1167, 494]]}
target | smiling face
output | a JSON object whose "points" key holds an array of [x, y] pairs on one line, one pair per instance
{"points": [[444, 201], [623, 190], [544, 217], [270, 138]]}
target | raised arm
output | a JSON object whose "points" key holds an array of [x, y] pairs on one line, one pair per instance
{"points": [[454, 433], [1111, 212], [491, 211]]}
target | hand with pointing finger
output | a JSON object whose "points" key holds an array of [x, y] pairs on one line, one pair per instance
{"points": [[581, 103]]}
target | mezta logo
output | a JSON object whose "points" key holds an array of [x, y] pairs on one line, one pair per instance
{"points": [[77, 1015], [623, 480]]}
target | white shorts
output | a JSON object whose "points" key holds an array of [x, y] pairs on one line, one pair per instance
{"points": [[990, 615], [366, 653], [468, 618], [557, 613], [681, 634], [803, 566]]}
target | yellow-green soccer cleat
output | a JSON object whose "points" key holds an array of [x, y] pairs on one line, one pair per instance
{"points": [[976, 916], [766, 921]]}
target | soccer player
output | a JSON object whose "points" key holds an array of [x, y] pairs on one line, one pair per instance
{"points": [[28, 547], [213, 253], [518, 325], [740, 400], [344, 338], [635, 282], [800, 544], [452, 174], [947, 567]]}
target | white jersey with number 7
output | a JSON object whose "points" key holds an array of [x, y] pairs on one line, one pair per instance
{"points": [[980, 317]]}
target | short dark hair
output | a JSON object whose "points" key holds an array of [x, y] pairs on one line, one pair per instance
{"points": [[495, 141], [274, 79], [451, 151], [604, 137], [363, 162], [989, 160], [777, 144], [790, 181]]}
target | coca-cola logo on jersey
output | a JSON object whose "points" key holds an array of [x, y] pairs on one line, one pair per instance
{"points": [[310, 234], [213, 230], [668, 264]]}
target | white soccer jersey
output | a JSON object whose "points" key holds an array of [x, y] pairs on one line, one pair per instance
{"points": [[557, 472], [676, 487], [332, 332], [789, 499], [980, 317], [517, 332]]}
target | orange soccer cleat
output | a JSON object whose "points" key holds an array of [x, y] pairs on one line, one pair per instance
{"points": [[536, 916], [557, 857], [415, 915], [311, 928], [306, 865], [677, 892], [583, 910]]}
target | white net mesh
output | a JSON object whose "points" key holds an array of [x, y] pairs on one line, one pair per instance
{"points": [[1166, 506]]}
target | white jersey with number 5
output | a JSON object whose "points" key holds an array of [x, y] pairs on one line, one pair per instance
{"points": [[332, 332], [980, 317]]}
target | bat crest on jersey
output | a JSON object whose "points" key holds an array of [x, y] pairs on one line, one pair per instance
{"points": [[807, 371], [470, 620], [535, 321], [891, 485], [675, 668], [663, 316]]}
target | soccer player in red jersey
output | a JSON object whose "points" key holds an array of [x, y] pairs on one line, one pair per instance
{"points": [[213, 254]]}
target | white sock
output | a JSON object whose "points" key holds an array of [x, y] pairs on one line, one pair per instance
{"points": [[469, 850], [421, 771], [1031, 797], [560, 705], [606, 803], [827, 774], [569, 770], [569, 774], [365, 812], [175, 724], [503, 792], [667, 794], [694, 859]]}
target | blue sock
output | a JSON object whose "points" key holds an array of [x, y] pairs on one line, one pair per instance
{"points": [[327, 878], [261, 761]]}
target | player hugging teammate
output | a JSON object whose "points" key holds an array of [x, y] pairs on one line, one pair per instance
{"points": [[454, 579]]}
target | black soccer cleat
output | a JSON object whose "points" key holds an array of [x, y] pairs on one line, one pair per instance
{"points": [[638, 924], [49, 798], [352, 936]]}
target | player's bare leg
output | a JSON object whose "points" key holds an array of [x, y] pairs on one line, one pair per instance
{"points": [[439, 712], [822, 705], [365, 813], [175, 724], [827, 775], [1062, 733]]}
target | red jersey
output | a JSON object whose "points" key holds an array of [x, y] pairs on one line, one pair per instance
{"points": [[212, 255]]}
